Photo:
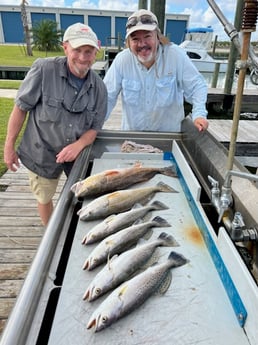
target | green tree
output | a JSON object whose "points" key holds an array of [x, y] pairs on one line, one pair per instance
{"points": [[46, 36]]}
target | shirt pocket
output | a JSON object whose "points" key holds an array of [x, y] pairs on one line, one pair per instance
{"points": [[51, 110], [166, 91], [131, 91]]}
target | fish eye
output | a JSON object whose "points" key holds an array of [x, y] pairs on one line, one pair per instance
{"points": [[104, 319], [97, 291]]}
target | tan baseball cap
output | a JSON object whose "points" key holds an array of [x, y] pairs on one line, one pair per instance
{"points": [[79, 35], [141, 20]]}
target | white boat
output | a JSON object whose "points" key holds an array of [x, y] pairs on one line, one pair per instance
{"points": [[196, 44]]}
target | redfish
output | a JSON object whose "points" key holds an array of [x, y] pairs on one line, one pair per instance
{"points": [[116, 179]]}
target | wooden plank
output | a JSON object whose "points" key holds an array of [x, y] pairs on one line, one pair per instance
{"points": [[19, 242], [18, 211], [6, 305], [247, 130], [14, 255], [13, 271], [10, 288], [18, 231], [21, 221]]}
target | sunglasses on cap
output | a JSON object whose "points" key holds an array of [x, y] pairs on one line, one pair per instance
{"points": [[144, 19]]}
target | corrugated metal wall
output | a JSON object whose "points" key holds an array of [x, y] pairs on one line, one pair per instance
{"points": [[106, 24]]}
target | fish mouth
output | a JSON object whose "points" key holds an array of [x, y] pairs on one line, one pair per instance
{"points": [[92, 324], [86, 295], [86, 265]]}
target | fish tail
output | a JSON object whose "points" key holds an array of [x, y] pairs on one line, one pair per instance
{"points": [[163, 187], [160, 222], [177, 259], [169, 171], [158, 205], [167, 240]]}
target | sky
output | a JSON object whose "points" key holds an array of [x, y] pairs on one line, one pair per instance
{"points": [[200, 11]]}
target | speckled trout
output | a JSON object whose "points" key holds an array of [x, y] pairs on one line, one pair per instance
{"points": [[120, 201], [116, 222], [116, 179], [121, 267], [120, 241], [134, 292]]}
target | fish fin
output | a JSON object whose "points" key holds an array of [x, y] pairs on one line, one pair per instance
{"points": [[160, 222], [166, 188], [137, 205], [138, 221], [122, 290], [177, 259], [153, 259], [110, 260], [140, 242], [158, 205], [137, 164], [168, 240], [112, 173], [165, 284], [109, 218], [169, 171], [148, 234]]}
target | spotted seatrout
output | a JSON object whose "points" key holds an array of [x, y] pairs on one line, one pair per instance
{"points": [[134, 292], [119, 221], [120, 241], [120, 201], [116, 179], [121, 267]]}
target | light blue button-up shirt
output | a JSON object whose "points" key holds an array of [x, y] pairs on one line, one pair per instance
{"points": [[153, 99]]}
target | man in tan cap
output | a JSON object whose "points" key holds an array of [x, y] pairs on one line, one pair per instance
{"points": [[67, 103], [154, 77]]}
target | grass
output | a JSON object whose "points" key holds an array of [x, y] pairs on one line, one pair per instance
{"points": [[15, 55]]}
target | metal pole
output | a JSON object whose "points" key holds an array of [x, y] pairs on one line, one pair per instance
{"points": [[158, 8], [233, 53], [248, 25], [143, 4]]}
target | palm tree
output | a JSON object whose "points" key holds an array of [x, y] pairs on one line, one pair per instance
{"points": [[26, 27], [46, 36]]}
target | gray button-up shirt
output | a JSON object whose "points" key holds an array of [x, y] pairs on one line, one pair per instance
{"points": [[58, 113]]}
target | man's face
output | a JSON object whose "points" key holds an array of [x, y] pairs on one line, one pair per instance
{"points": [[144, 45], [80, 59]]}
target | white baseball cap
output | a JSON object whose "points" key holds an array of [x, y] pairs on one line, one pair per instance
{"points": [[79, 35], [141, 20]]}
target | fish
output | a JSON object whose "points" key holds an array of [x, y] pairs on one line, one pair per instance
{"points": [[116, 222], [121, 267], [120, 241], [117, 179], [135, 291], [120, 201]]}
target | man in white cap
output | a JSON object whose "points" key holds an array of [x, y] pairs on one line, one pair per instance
{"points": [[67, 104], [154, 77]]}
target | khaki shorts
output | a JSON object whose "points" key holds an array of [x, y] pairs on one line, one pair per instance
{"points": [[42, 188]]}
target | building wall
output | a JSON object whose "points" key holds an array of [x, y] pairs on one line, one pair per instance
{"points": [[108, 25]]}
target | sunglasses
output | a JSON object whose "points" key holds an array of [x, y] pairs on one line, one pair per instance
{"points": [[144, 19]]}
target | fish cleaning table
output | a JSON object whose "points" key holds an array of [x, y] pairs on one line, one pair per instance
{"points": [[195, 309]]}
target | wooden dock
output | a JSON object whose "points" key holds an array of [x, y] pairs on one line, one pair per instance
{"points": [[20, 227]]}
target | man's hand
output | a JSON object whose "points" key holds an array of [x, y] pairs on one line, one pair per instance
{"points": [[201, 123]]}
